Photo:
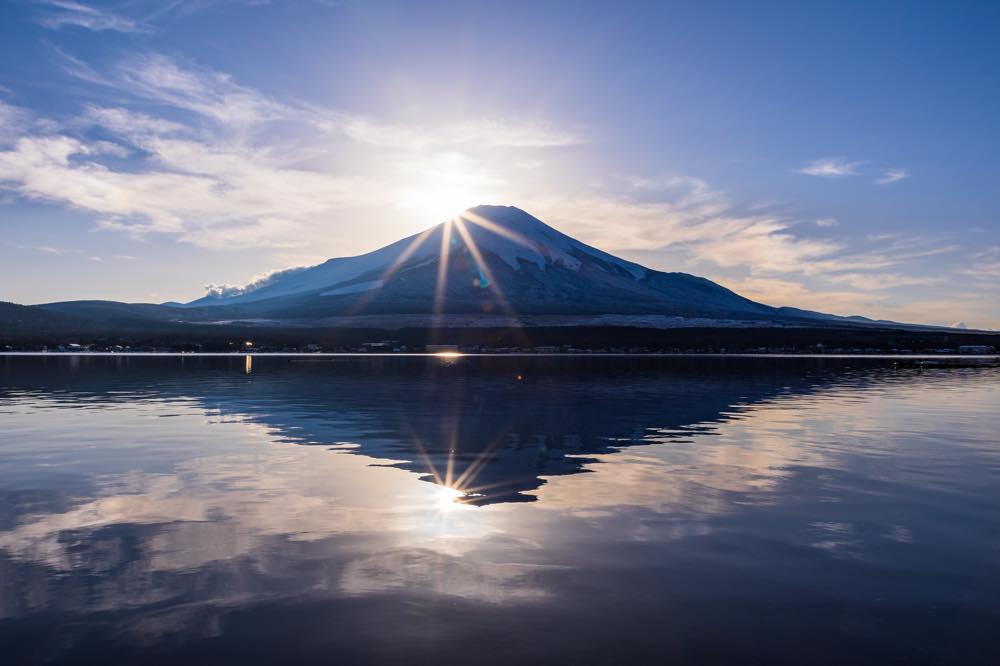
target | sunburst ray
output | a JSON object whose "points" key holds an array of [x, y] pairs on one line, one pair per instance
{"points": [[442, 275], [396, 264], [499, 230], [482, 266]]}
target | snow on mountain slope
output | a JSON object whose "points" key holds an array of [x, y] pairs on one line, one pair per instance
{"points": [[489, 259], [506, 232], [532, 240], [327, 275]]}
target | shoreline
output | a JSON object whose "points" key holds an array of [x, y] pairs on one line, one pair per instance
{"points": [[450, 355]]}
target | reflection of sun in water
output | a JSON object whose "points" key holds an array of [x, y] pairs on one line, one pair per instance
{"points": [[446, 498]]}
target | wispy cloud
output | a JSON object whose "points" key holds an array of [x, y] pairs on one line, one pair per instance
{"points": [[840, 167], [205, 92], [788, 291], [691, 218], [12, 121], [826, 222], [831, 167], [878, 281], [45, 249], [893, 176], [765, 253], [985, 264], [60, 14], [222, 165], [486, 133]]}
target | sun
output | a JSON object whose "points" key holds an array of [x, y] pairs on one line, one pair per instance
{"points": [[444, 193], [441, 203]]}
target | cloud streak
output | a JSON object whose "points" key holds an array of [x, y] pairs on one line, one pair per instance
{"points": [[893, 176], [61, 14], [831, 167]]}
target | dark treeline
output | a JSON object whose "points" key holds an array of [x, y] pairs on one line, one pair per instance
{"points": [[582, 338]]}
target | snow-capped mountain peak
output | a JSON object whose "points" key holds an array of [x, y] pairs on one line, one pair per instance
{"points": [[507, 232], [489, 259]]}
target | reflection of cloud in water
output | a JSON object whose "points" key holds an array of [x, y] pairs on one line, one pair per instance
{"points": [[278, 522], [220, 507], [698, 471], [428, 571]]}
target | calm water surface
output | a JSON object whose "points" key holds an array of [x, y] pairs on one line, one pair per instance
{"points": [[497, 511]]}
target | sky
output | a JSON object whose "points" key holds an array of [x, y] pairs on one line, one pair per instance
{"points": [[841, 156]]}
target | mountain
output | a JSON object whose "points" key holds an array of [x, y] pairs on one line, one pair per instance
{"points": [[25, 318], [490, 260], [490, 267]]}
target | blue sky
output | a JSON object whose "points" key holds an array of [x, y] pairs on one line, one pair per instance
{"points": [[836, 156]]}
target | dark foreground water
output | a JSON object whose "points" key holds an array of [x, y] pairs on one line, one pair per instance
{"points": [[498, 511]]}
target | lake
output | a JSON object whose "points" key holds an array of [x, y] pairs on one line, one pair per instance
{"points": [[498, 510]]}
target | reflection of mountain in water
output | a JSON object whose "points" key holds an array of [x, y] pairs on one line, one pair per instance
{"points": [[491, 427]]}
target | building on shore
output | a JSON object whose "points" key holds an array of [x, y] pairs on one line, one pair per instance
{"points": [[441, 349], [977, 349]]}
